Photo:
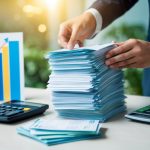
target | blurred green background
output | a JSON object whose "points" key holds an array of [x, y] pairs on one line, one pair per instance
{"points": [[39, 21]]}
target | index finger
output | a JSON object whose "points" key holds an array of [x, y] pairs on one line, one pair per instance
{"points": [[63, 36], [62, 41], [119, 50]]}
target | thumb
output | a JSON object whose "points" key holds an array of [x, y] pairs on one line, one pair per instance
{"points": [[73, 39]]}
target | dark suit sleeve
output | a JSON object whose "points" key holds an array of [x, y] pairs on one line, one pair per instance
{"points": [[112, 9]]}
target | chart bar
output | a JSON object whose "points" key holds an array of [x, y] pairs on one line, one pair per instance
{"points": [[14, 70], [6, 73], [1, 78]]}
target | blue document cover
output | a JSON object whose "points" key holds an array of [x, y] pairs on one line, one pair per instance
{"points": [[58, 131]]}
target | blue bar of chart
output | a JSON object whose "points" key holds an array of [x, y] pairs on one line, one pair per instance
{"points": [[14, 70]]}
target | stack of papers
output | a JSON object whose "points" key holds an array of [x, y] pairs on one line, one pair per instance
{"points": [[53, 132], [82, 86]]}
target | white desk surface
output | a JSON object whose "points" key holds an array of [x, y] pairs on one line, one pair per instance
{"points": [[118, 133]]}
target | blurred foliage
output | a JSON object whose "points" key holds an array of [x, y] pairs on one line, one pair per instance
{"points": [[36, 68], [125, 31], [133, 80], [133, 77]]}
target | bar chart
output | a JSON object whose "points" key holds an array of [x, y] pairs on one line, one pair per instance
{"points": [[11, 66]]}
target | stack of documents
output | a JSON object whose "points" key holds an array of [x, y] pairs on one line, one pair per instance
{"points": [[53, 132], [82, 86]]}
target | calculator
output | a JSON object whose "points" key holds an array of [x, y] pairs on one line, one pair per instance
{"points": [[15, 110], [140, 115]]}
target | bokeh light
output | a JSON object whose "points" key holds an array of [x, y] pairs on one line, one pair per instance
{"points": [[30, 10], [42, 28]]}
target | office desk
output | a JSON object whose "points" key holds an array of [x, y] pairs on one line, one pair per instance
{"points": [[118, 133]]}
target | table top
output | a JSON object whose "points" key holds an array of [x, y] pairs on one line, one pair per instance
{"points": [[117, 133]]}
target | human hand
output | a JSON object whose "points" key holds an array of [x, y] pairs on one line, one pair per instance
{"points": [[132, 53], [76, 30]]}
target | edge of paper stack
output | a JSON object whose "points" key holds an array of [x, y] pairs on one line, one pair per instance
{"points": [[82, 86]]}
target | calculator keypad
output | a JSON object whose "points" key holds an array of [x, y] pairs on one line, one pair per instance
{"points": [[15, 110], [9, 110]]}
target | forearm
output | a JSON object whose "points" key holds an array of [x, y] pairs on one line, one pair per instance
{"points": [[112, 9]]}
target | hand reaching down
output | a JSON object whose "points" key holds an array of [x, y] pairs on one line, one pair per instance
{"points": [[76, 30]]}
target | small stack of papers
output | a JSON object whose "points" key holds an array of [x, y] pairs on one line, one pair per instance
{"points": [[82, 86], [53, 132]]}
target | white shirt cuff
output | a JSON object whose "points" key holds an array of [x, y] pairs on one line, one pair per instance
{"points": [[98, 18]]}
